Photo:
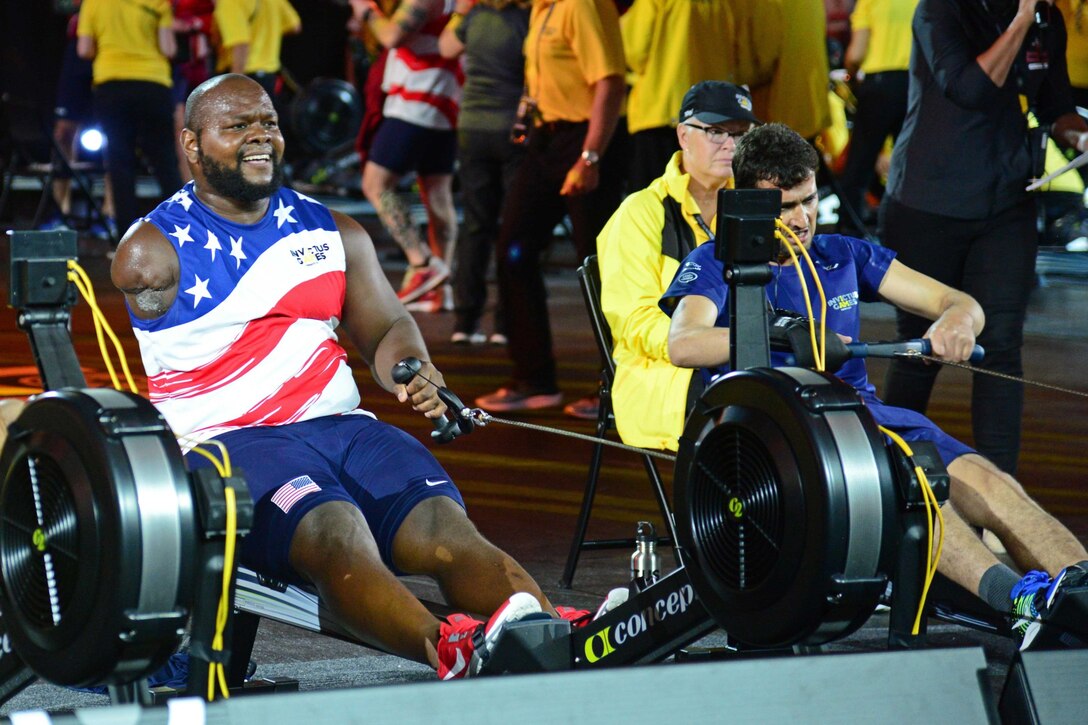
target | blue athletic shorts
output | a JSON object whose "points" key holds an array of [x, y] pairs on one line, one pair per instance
{"points": [[402, 147], [913, 426], [291, 469]]}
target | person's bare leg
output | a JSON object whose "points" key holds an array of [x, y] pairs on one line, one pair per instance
{"points": [[438, 539], [965, 558], [380, 189], [335, 550], [987, 497], [436, 190], [65, 133]]}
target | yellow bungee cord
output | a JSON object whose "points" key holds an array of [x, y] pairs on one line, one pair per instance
{"points": [[216, 670], [789, 243], [78, 276]]}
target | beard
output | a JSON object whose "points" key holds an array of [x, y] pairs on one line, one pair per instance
{"points": [[229, 181]]}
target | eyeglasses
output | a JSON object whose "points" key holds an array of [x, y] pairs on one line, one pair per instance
{"points": [[717, 135]]}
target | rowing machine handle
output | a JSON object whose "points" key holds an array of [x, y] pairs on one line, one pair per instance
{"points": [[448, 426], [891, 349]]}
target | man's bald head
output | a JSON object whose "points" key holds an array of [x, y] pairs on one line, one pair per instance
{"points": [[232, 140], [214, 89]]}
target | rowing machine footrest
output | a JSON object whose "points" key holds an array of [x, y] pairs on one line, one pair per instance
{"points": [[531, 645]]}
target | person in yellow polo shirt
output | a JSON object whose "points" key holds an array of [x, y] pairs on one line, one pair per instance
{"points": [[574, 75], [669, 45], [1075, 13], [782, 57], [130, 44], [878, 56], [251, 37]]}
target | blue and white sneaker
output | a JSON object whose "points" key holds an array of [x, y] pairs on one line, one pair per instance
{"points": [[1027, 597], [1034, 598]]}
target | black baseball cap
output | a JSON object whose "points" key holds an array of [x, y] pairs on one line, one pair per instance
{"points": [[717, 102]]}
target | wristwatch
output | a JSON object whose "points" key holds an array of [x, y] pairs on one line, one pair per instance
{"points": [[589, 158]]}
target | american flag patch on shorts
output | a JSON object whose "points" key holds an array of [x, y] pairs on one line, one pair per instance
{"points": [[293, 491]]}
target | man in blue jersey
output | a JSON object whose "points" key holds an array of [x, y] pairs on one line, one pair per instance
{"points": [[851, 270]]}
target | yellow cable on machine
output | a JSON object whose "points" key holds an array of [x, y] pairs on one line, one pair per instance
{"points": [[933, 511], [216, 670], [788, 243], [82, 282]]}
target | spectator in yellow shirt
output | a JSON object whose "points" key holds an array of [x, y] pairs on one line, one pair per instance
{"points": [[131, 44]]}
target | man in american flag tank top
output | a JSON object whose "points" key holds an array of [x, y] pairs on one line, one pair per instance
{"points": [[236, 287]]}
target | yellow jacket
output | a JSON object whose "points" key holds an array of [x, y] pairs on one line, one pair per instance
{"points": [[669, 46], [649, 394]]}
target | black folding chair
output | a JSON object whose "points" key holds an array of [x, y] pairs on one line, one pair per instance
{"points": [[589, 276]]}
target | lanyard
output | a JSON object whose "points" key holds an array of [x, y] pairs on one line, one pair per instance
{"points": [[704, 227]]}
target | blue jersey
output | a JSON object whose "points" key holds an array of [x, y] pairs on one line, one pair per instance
{"points": [[851, 271]]}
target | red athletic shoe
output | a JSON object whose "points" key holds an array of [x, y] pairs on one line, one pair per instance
{"points": [[576, 617], [465, 644], [456, 645], [422, 279]]}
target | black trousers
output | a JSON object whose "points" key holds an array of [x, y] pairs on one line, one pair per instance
{"points": [[651, 150], [487, 161], [532, 209], [882, 106], [993, 260], [136, 115]]}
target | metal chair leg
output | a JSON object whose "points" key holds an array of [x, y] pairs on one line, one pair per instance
{"points": [[603, 411]]}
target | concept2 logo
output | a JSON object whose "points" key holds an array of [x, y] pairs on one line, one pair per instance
{"points": [[605, 642]]}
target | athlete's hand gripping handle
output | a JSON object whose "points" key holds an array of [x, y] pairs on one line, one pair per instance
{"points": [[448, 426], [904, 347]]}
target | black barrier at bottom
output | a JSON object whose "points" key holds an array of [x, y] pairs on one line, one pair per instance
{"points": [[1046, 687], [892, 687]]}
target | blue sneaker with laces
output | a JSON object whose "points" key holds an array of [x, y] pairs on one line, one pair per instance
{"points": [[1028, 597], [1037, 601]]}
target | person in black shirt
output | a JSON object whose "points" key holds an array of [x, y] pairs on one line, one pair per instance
{"points": [[956, 208]]}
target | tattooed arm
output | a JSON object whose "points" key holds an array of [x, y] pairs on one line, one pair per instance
{"points": [[146, 270]]}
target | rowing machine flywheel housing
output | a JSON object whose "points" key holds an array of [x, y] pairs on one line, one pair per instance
{"points": [[98, 537], [785, 507]]}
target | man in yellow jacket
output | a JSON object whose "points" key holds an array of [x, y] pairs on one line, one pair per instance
{"points": [[640, 249]]}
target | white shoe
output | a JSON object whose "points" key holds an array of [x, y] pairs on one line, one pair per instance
{"points": [[615, 598], [468, 338]]}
